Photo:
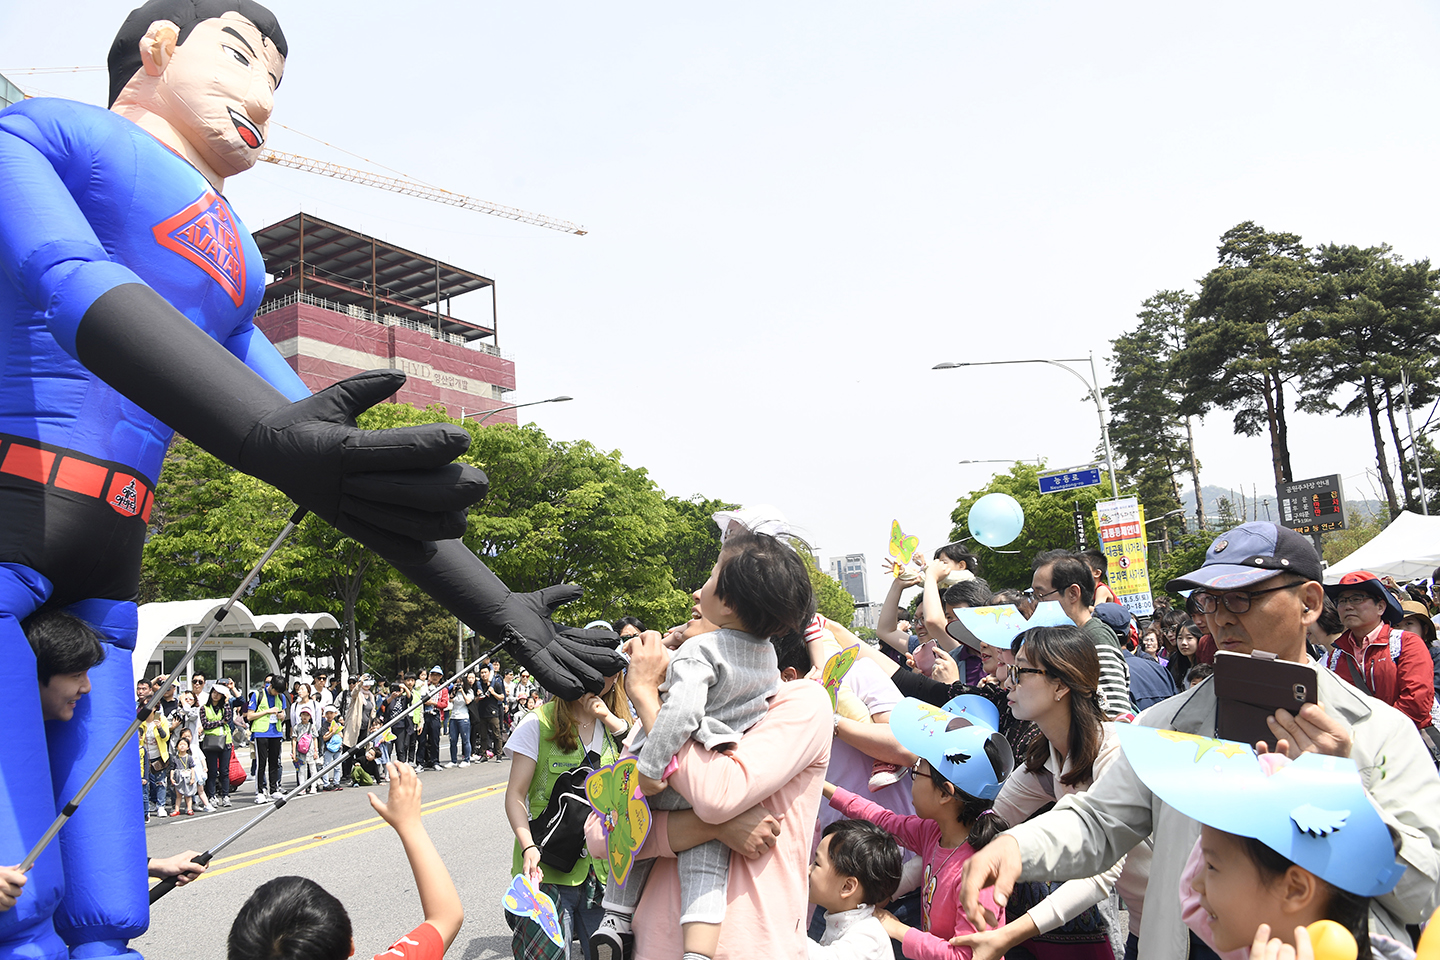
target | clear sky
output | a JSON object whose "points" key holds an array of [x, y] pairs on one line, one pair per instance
{"points": [[796, 210]]}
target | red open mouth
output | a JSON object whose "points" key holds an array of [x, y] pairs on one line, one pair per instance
{"points": [[247, 130]]}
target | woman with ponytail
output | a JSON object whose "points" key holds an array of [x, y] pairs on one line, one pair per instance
{"points": [[1055, 684], [962, 761]]}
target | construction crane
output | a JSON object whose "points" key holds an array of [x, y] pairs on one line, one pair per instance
{"points": [[394, 184], [411, 189]]}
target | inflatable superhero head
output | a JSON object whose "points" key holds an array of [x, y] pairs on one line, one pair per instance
{"points": [[207, 67]]}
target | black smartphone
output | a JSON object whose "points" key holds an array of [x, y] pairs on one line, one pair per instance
{"points": [[1249, 689]]}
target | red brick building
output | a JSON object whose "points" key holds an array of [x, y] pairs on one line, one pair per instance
{"points": [[339, 302]]}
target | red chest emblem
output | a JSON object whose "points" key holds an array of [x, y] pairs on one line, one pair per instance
{"points": [[204, 233]]}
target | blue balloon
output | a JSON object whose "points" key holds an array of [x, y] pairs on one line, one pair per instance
{"points": [[996, 519]]}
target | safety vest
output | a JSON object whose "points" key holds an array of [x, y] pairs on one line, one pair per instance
{"points": [[217, 716], [261, 724]]}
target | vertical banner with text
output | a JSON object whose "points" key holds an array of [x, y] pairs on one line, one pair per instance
{"points": [[1122, 536]]}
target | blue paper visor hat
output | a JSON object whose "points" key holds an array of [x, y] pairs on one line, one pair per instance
{"points": [[1313, 811], [1001, 624], [962, 741]]}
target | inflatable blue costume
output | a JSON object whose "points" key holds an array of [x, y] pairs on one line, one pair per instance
{"points": [[127, 290]]}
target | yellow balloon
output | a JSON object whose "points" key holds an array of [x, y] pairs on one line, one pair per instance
{"points": [[1429, 948], [1331, 941]]}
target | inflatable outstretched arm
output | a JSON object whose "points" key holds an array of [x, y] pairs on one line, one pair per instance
{"points": [[396, 491]]}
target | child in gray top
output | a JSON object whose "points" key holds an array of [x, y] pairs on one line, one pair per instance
{"points": [[717, 686]]}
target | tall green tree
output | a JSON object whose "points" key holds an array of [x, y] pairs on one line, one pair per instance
{"points": [[832, 600], [692, 540], [410, 631], [561, 512], [1241, 327], [1149, 433], [1374, 319]]}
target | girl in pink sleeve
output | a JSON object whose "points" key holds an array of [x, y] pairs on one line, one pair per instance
{"points": [[963, 760]]}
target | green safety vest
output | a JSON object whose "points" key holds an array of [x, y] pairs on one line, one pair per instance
{"points": [[261, 724], [550, 763], [217, 716]]}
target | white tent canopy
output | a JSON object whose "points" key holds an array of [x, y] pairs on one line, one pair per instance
{"points": [[1408, 549], [190, 618]]}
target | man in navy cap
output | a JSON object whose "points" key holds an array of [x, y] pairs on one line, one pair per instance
{"points": [[1259, 588]]}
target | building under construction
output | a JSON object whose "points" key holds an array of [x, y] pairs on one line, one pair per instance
{"points": [[339, 302]]}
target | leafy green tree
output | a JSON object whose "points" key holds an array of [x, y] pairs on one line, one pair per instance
{"points": [[832, 600], [410, 631], [1049, 523], [1242, 325], [1149, 433], [1339, 544], [1188, 555], [692, 540], [1374, 318], [566, 513]]}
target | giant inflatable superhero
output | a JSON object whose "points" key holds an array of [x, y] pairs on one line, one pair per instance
{"points": [[127, 289]]}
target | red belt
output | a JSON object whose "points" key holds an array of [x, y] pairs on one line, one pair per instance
{"points": [[126, 493]]}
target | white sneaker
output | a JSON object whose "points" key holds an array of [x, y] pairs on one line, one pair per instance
{"points": [[224, 801], [261, 798], [160, 812], [448, 765], [464, 763]]}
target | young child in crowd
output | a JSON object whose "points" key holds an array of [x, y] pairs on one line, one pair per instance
{"points": [[182, 776], [1306, 846], [963, 761], [857, 865], [717, 686], [307, 746], [296, 917], [333, 735], [379, 749], [1197, 674]]}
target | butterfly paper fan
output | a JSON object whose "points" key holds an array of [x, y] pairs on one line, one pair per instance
{"points": [[834, 673], [524, 899], [614, 794], [902, 548]]}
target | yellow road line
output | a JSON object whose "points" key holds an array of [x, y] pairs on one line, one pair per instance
{"points": [[366, 826], [358, 823]]}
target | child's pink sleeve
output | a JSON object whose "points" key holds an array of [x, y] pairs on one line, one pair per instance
{"points": [[919, 945], [909, 831]]}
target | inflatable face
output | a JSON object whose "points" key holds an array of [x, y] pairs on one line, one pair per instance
{"points": [[215, 88]]}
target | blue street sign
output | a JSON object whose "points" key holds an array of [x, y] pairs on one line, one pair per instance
{"points": [[1058, 480]]}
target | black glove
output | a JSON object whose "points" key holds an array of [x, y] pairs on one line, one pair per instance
{"points": [[565, 661], [393, 490]]}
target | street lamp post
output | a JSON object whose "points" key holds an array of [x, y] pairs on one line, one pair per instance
{"points": [[1092, 386], [513, 406]]}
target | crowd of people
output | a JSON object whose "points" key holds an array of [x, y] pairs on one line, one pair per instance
{"points": [[192, 742], [1036, 837], [1004, 774]]}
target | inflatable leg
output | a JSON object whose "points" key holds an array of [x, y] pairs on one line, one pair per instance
{"points": [[27, 804], [103, 846]]}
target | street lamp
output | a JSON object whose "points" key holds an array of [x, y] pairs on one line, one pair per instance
{"points": [[513, 406], [1092, 386], [1011, 460]]}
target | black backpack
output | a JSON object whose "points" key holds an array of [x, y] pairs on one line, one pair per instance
{"points": [[559, 831]]}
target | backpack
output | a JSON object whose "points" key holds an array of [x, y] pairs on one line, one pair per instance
{"points": [[559, 831]]}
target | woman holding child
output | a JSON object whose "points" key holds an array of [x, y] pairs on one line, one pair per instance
{"points": [[545, 744]]}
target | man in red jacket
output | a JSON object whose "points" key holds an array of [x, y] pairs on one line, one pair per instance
{"points": [[1373, 654]]}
